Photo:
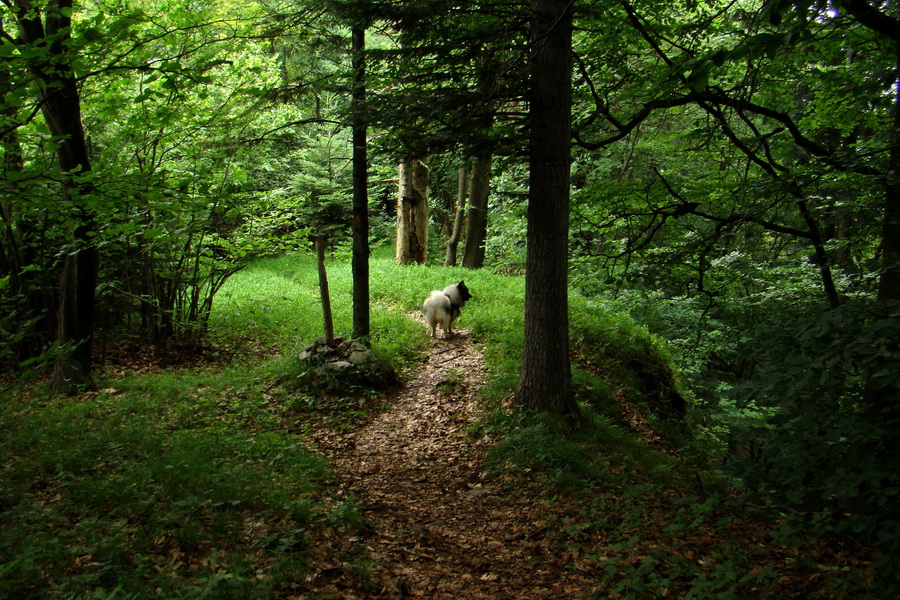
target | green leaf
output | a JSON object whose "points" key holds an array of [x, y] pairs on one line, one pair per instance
{"points": [[92, 34], [7, 49], [698, 79], [121, 24]]}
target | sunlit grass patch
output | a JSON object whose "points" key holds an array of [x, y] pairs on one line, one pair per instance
{"points": [[270, 301], [277, 299]]}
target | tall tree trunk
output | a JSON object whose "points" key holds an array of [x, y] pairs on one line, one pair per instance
{"points": [[61, 108], [412, 213], [460, 213], [545, 378], [360, 261], [476, 228], [323, 291]]}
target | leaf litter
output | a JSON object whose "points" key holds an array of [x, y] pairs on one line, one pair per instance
{"points": [[436, 527]]}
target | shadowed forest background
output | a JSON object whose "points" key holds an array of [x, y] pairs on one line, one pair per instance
{"points": [[680, 223]]}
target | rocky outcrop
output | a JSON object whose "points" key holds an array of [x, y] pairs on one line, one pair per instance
{"points": [[342, 355], [347, 359]]}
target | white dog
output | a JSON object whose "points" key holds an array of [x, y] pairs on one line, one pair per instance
{"points": [[443, 307]]}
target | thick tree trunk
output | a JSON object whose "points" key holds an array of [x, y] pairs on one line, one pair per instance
{"points": [[889, 282], [460, 213], [17, 248], [476, 229], [412, 213], [404, 208], [545, 379], [76, 314], [61, 108], [323, 291], [360, 261]]}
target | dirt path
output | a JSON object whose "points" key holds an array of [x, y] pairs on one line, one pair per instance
{"points": [[436, 529]]}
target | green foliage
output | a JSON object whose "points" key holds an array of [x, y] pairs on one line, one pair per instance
{"points": [[826, 396], [566, 459], [199, 163], [732, 160], [505, 243], [164, 483], [101, 490], [276, 301], [633, 509]]}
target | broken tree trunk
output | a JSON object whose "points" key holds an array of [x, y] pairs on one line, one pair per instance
{"points": [[412, 213]]}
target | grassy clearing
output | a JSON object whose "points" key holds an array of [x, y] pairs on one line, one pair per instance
{"points": [[199, 483], [163, 483], [276, 301], [192, 483]]}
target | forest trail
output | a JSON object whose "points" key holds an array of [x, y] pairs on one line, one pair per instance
{"points": [[435, 528]]}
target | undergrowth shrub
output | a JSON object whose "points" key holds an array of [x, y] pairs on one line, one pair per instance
{"points": [[829, 386], [625, 352]]}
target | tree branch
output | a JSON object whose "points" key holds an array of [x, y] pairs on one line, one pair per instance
{"points": [[637, 119], [872, 18], [684, 207]]}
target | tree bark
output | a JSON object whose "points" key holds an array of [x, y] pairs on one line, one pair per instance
{"points": [[360, 260], [412, 213], [476, 228], [323, 291], [545, 378], [61, 108], [461, 197], [16, 244]]}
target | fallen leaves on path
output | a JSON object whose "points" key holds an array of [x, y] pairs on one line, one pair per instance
{"points": [[436, 528]]}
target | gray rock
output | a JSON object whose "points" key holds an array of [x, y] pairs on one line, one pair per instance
{"points": [[359, 357], [338, 365], [478, 492]]}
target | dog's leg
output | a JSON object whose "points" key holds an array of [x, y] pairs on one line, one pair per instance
{"points": [[450, 326]]}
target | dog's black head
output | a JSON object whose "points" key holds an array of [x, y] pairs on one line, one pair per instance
{"points": [[464, 294]]}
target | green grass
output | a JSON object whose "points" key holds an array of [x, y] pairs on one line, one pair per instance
{"points": [[199, 483], [193, 483], [151, 487], [276, 301]]}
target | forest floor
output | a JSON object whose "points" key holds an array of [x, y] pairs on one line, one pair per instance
{"points": [[409, 510], [435, 528]]}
